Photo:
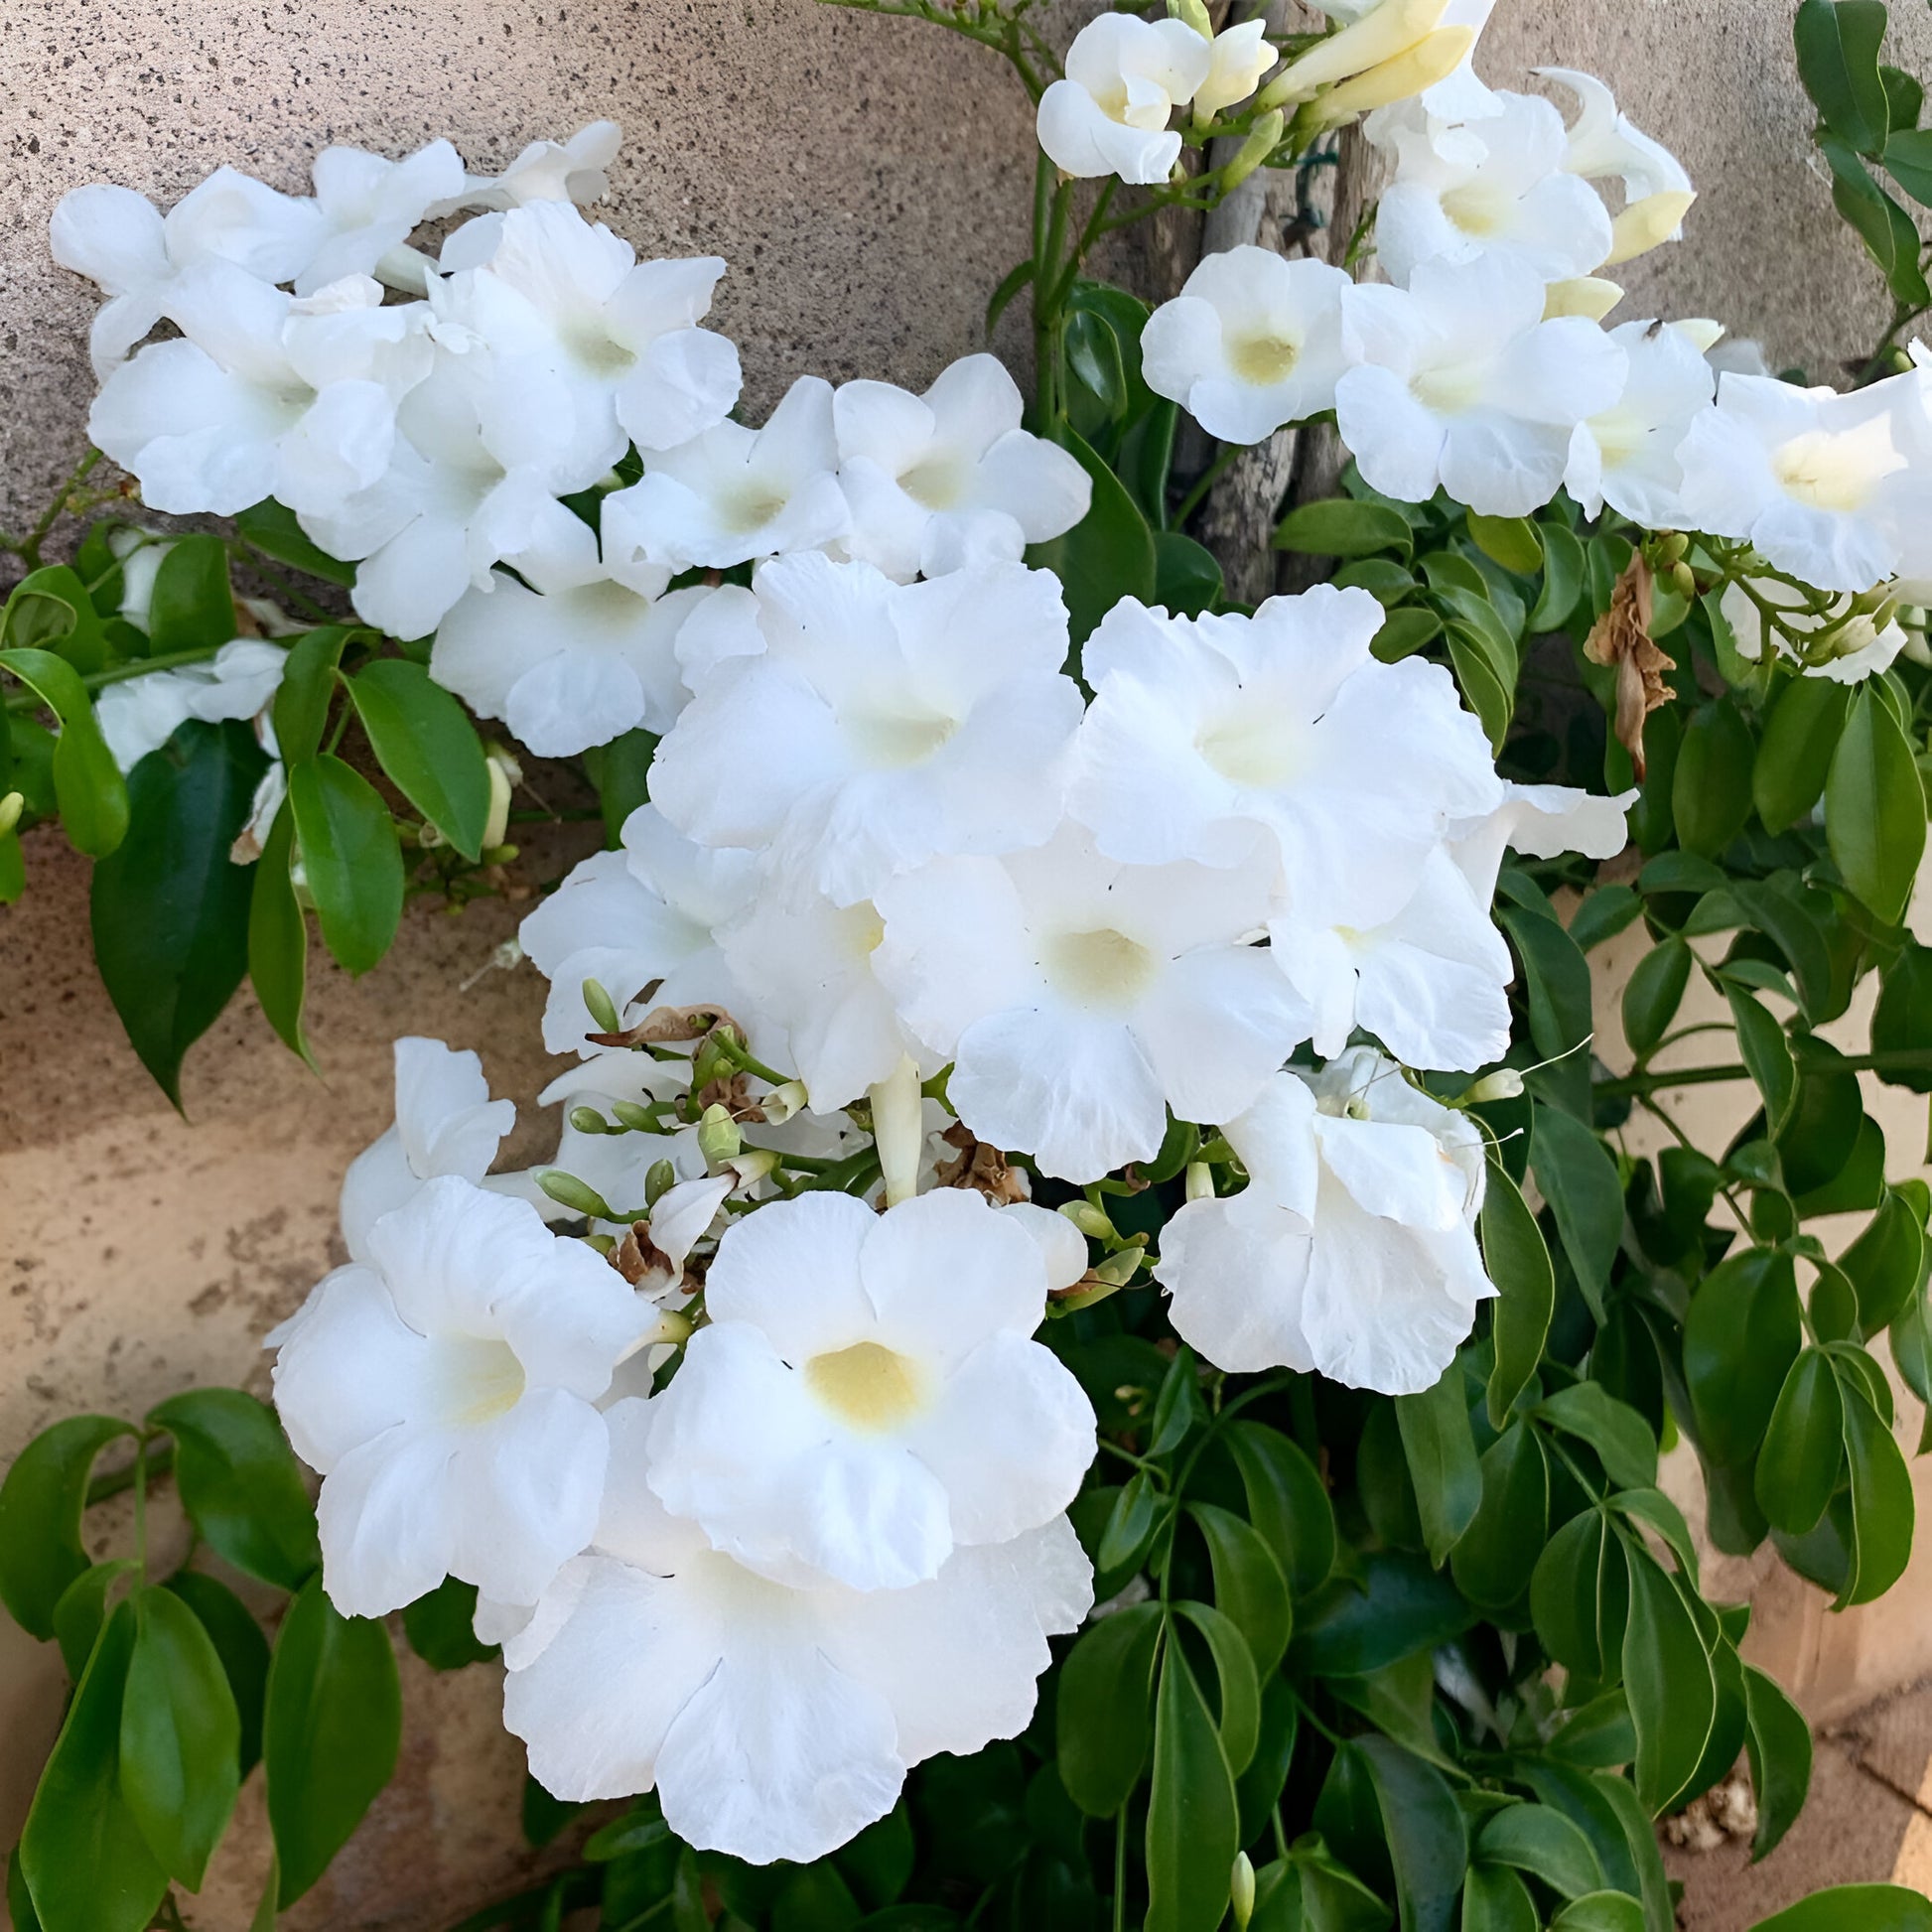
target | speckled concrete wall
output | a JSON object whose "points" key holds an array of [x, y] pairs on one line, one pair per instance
{"points": [[867, 179]]}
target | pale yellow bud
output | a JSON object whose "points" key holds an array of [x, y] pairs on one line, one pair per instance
{"points": [[718, 1139], [1504, 1085], [1645, 223], [1589, 296], [1194, 14], [1200, 1181], [504, 774], [1088, 1219], [1241, 1890], [1701, 332], [11, 807], [1393, 28], [1412, 72], [1256, 149]]}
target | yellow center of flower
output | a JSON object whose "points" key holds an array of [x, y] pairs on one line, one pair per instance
{"points": [[1836, 472], [750, 507], [861, 929], [593, 350], [481, 1379], [1448, 389], [1102, 968], [1477, 209], [891, 737], [1263, 359], [867, 1386], [1619, 435], [1248, 747], [936, 484]]}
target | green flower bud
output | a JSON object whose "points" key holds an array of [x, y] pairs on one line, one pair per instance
{"points": [[11, 807], [1683, 583], [1503, 1084], [603, 1009], [587, 1120], [1089, 1220], [1256, 149], [639, 1120], [1241, 1890], [1194, 14], [659, 1182], [577, 1195], [718, 1139]]}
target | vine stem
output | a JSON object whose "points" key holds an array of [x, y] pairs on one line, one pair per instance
{"points": [[1636, 1086]]}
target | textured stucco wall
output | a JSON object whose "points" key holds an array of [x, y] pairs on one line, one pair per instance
{"points": [[867, 179]]}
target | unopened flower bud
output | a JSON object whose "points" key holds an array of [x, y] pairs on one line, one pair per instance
{"points": [[504, 774], [1645, 223], [1089, 1220], [1393, 28], [577, 1195], [1241, 1890], [753, 1164], [1119, 1269], [601, 1007], [1194, 14], [1412, 72], [587, 1120], [428, 837], [1673, 547], [1200, 1181], [1503, 1084], [1683, 583], [639, 1120], [1256, 149], [1701, 332], [783, 1101], [718, 1139], [659, 1182], [1589, 296], [11, 807]]}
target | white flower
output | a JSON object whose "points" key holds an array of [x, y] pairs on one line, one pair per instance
{"points": [[446, 1124], [733, 495], [1123, 78], [138, 714], [948, 480], [1238, 57], [1604, 143], [372, 205], [574, 655], [774, 1723], [1079, 997], [549, 170], [1464, 386], [1205, 731], [444, 1390], [642, 918], [1499, 189], [622, 335], [1627, 456], [1253, 341], [806, 967], [882, 723], [262, 395], [866, 1395], [1861, 647], [1542, 822], [1448, 105], [478, 468], [1835, 490], [1352, 1249]]}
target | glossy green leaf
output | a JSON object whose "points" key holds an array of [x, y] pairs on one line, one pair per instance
{"points": [[1580, 1181], [41, 1502], [1440, 1450], [330, 1734], [181, 1737], [87, 785], [1286, 1502], [1600, 1737], [1555, 980], [1778, 1743], [1497, 1900], [1427, 1843], [1248, 1582], [1886, 1262], [1668, 1677], [1515, 1258], [50, 609], [1339, 526], [1239, 1688], [1798, 1467], [308, 687], [240, 1484], [1483, 685], [1766, 1052], [271, 528], [1822, 1133], [621, 771], [1177, 1406], [1130, 1526], [427, 744], [350, 856], [278, 937], [83, 1609], [1616, 1432], [1510, 541], [1888, 232], [1654, 992], [169, 908], [1710, 789], [191, 606], [1882, 1500], [1901, 1023], [1601, 1911], [1794, 755], [1742, 1335], [1105, 1718], [1540, 1839], [1404, 633], [241, 1647], [1580, 1594], [1854, 1909], [1493, 1561], [1838, 44], [87, 1866], [1603, 913], [1191, 1818], [1395, 1606], [441, 1627], [1875, 808]]}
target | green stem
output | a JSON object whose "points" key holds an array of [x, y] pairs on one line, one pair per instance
{"points": [[28, 549], [158, 1460], [1229, 456], [141, 1506], [1120, 1868], [1635, 1086]]}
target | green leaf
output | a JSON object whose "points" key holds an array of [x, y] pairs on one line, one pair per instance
{"points": [[308, 686], [330, 1736], [41, 1502], [1601, 1911], [1564, 570], [1904, 101], [1883, 1503], [1557, 980], [1234, 1670], [1248, 1582], [1187, 574], [1854, 1909], [1104, 1708], [1093, 359], [87, 1866], [1767, 1053], [181, 1737], [1495, 1900], [350, 856], [191, 606], [1885, 1262], [1580, 1594], [1395, 1606], [20, 1908], [1339, 526], [815, 1899], [1741, 1334], [1603, 914], [1540, 1839], [1875, 808], [1130, 1526], [1795, 753], [50, 609], [1654, 992], [1901, 1023], [442, 1628], [1600, 1737], [87, 785], [1711, 791], [1616, 1432], [1908, 153], [1516, 1258], [1493, 1561], [278, 937], [241, 1647], [427, 746], [240, 1484], [1838, 61], [1440, 1450], [1666, 1675], [1404, 633], [1798, 1467], [1429, 1845], [1190, 1819], [271, 528], [1177, 1406], [1483, 686], [1510, 541], [1889, 233], [1580, 1181], [621, 771], [169, 908], [1286, 1502], [1779, 1743], [1107, 555], [83, 1609]]}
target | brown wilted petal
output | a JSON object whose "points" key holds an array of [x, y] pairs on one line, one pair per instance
{"points": [[663, 1025], [1621, 637], [980, 1166]]}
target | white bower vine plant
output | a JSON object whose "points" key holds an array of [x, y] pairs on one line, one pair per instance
{"points": [[1031, 1007]]}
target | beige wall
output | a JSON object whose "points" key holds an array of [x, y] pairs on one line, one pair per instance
{"points": [[867, 179]]}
